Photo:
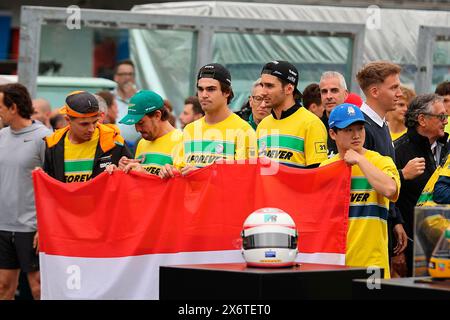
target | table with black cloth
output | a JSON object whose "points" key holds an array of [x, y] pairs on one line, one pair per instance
{"points": [[237, 281]]}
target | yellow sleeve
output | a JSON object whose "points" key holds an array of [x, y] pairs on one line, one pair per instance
{"points": [[139, 149], [178, 154], [315, 142], [386, 164]]}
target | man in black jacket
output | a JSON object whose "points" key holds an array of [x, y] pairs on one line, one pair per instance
{"points": [[425, 119], [83, 149]]}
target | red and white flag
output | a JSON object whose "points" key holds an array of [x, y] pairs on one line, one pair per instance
{"points": [[106, 238]]}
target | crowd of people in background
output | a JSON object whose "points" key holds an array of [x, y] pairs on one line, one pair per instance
{"points": [[393, 140]]}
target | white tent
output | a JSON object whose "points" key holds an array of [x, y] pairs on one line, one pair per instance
{"points": [[166, 57]]}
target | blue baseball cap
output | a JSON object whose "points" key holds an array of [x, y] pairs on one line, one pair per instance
{"points": [[344, 115]]}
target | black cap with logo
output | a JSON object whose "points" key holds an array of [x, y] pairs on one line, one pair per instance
{"points": [[215, 71], [282, 70]]}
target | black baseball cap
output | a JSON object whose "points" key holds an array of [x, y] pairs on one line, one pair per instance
{"points": [[282, 70], [215, 71], [80, 104]]}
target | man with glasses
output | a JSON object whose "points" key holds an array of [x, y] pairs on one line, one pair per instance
{"points": [[124, 76], [257, 104], [443, 89], [425, 119]]}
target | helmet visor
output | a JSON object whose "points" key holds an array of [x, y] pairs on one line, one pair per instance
{"points": [[269, 240]]}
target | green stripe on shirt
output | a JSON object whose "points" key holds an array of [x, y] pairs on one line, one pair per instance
{"points": [[156, 158], [425, 197], [282, 142], [78, 165], [210, 147], [360, 183]]}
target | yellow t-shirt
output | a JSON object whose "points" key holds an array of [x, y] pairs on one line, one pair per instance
{"points": [[79, 158], [203, 144], [426, 197], [396, 135], [367, 239], [298, 140], [161, 151]]}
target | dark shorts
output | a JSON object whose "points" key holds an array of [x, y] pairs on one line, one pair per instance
{"points": [[17, 252]]}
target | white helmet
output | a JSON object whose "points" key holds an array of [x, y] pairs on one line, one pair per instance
{"points": [[269, 239]]}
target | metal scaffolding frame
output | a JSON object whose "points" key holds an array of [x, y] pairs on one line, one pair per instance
{"points": [[32, 18], [426, 44]]}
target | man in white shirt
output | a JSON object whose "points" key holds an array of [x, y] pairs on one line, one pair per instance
{"points": [[380, 82]]}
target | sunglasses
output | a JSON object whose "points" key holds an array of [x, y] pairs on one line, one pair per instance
{"points": [[121, 74], [258, 98], [441, 117]]}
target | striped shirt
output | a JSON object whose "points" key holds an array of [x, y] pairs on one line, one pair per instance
{"points": [[298, 140], [367, 239], [157, 153]]}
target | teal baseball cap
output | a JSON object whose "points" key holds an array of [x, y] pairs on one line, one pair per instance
{"points": [[141, 103]]}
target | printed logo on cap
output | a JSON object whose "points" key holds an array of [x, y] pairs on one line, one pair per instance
{"points": [[351, 111]]}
